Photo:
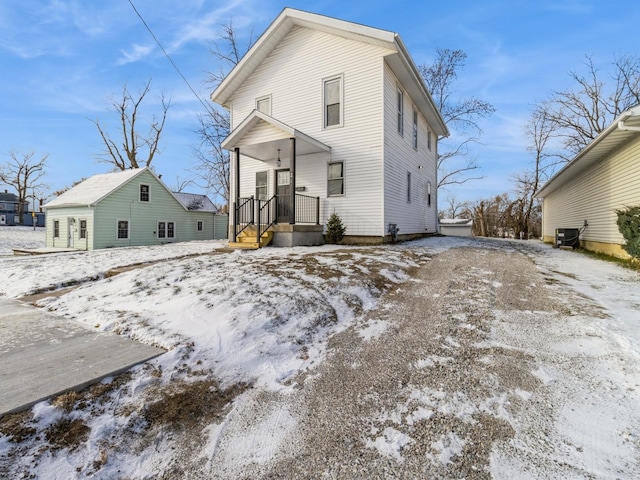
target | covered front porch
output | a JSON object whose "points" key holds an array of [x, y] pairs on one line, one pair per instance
{"points": [[278, 213]]}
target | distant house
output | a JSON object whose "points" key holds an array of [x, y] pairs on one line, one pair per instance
{"points": [[9, 211], [456, 227], [602, 178], [329, 116], [131, 207]]}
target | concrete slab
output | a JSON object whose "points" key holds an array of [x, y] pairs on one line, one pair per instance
{"points": [[42, 355]]}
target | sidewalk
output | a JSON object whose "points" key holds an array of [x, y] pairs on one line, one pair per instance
{"points": [[42, 355]]}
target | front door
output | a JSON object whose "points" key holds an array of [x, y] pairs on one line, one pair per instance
{"points": [[283, 196]]}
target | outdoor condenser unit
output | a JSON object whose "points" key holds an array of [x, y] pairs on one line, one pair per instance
{"points": [[567, 237]]}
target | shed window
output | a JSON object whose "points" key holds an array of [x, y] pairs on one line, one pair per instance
{"points": [[200, 225], [56, 229], [83, 229], [123, 229], [332, 99], [144, 192], [335, 179]]}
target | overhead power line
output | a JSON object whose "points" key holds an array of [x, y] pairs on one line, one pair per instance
{"points": [[166, 54]]}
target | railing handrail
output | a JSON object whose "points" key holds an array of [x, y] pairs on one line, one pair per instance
{"points": [[265, 223], [307, 209], [240, 219]]}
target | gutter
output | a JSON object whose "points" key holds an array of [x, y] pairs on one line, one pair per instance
{"points": [[622, 126]]}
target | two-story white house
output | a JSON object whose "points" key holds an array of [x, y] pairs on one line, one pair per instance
{"points": [[330, 116]]}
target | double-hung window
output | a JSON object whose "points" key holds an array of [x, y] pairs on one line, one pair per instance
{"points": [[400, 112], [122, 229], [166, 229], [200, 226], [332, 101], [83, 229], [144, 192], [56, 229], [335, 179]]}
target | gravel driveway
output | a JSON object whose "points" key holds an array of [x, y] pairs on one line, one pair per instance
{"points": [[480, 366]]}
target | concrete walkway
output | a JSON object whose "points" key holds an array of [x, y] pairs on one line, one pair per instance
{"points": [[42, 355]]}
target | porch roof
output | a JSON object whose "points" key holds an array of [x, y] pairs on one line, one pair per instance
{"points": [[265, 146]]}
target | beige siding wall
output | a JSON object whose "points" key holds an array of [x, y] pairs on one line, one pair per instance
{"points": [[69, 228], [293, 75], [401, 158], [595, 195]]}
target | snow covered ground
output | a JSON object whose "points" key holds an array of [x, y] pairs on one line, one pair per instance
{"points": [[241, 326], [20, 237]]}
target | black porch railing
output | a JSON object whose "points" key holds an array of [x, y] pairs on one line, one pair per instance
{"points": [[307, 209], [265, 213]]}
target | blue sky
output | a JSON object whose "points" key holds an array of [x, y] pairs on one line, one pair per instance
{"points": [[61, 61]]}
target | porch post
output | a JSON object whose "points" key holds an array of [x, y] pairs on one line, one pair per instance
{"points": [[292, 156], [236, 171]]}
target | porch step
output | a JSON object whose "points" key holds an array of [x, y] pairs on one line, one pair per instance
{"points": [[247, 240]]}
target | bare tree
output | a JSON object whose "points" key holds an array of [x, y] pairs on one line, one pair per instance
{"points": [[462, 116], [23, 173], [581, 113], [213, 162], [181, 184], [455, 209], [59, 192], [132, 150]]}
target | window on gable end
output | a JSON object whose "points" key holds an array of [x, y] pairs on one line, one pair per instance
{"points": [[144, 192], [332, 101], [263, 104], [429, 139]]}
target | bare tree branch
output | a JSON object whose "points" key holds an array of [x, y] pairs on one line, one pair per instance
{"points": [[128, 155], [23, 173]]}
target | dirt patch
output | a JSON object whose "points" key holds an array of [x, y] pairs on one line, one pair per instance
{"points": [[17, 426], [67, 433]]}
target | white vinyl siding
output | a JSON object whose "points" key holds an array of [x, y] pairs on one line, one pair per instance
{"points": [[310, 57], [403, 161], [594, 195]]}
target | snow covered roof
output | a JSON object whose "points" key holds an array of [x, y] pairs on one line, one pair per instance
{"points": [[196, 202], [93, 189], [456, 221]]}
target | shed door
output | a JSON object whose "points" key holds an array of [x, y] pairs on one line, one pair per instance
{"points": [[70, 232]]}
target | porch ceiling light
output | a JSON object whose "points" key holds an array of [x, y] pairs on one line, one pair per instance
{"points": [[278, 162]]}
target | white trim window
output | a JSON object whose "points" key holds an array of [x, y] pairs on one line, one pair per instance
{"points": [[263, 104], [83, 228], [56, 229], [414, 132], [428, 194], [335, 179], [166, 230], [400, 112], [408, 187], [200, 226], [429, 139], [145, 192], [122, 229], [332, 101]]}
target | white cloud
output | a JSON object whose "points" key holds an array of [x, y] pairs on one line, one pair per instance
{"points": [[136, 53]]}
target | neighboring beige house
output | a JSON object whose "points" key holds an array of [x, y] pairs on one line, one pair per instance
{"points": [[330, 116], [127, 208], [456, 227], [602, 178]]}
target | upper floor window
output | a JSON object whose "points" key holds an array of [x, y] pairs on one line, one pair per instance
{"points": [[400, 112], [429, 139], [335, 179], [263, 104], [144, 192], [415, 128], [332, 101]]}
